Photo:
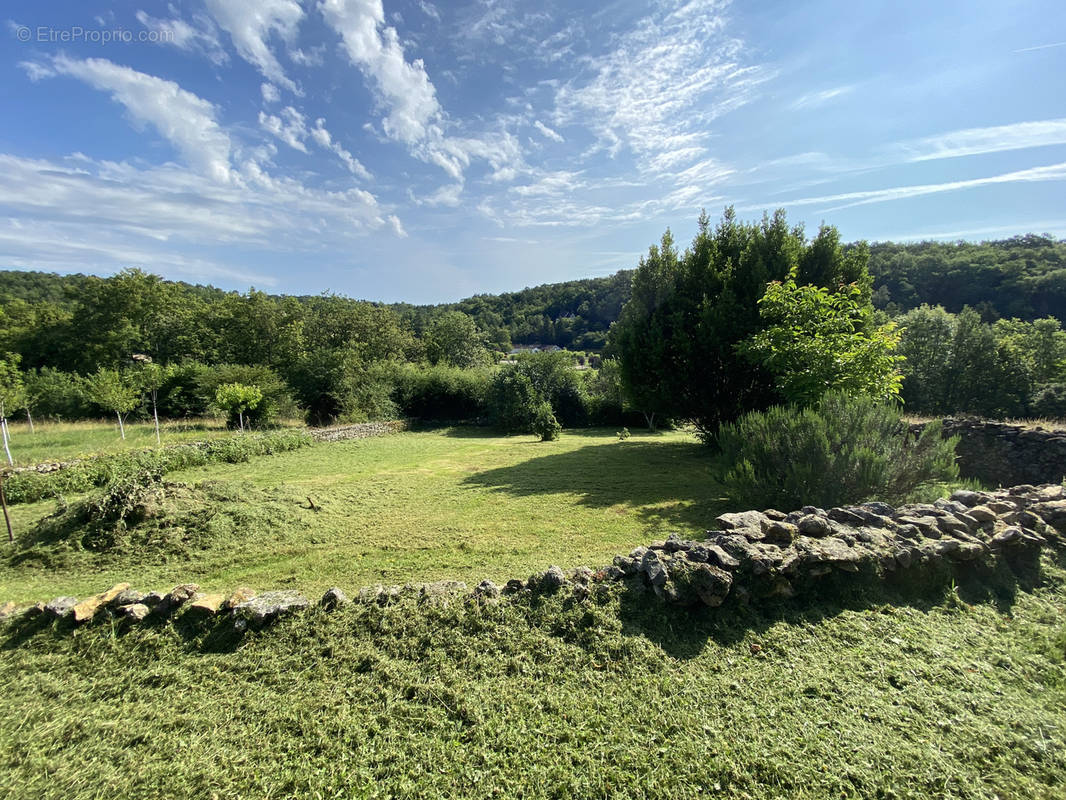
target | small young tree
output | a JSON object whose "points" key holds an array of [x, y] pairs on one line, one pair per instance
{"points": [[152, 378], [114, 391], [12, 397], [236, 398]]}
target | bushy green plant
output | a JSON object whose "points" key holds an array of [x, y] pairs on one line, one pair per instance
{"points": [[841, 450], [441, 392], [1050, 401], [545, 425]]}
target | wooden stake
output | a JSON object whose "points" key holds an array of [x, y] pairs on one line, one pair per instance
{"points": [[3, 502]]}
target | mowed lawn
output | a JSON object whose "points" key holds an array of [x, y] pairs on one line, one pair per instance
{"points": [[455, 504]]}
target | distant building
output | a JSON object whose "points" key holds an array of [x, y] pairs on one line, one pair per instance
{"points": [[534, 348]]}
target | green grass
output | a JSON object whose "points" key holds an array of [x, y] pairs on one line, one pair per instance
{"points": [[866, 696], [420, 506], [62, 441]]}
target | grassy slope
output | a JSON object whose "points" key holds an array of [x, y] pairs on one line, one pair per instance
{"points": [[60, 441], [413, 506], [874, 697]]}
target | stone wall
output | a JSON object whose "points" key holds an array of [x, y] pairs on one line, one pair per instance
{"points": [[749, 557], [1001, 454], [361, 430]]}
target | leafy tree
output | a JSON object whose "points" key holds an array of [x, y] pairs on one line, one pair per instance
{"points": [[453, 338], [513, 401], [236, 398], [677, 338], [819, 341], [955, 364], [152, 378], [114, 391], [12, 397]]}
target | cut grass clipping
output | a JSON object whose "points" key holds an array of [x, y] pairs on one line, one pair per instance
{"points": [[865, 695]]}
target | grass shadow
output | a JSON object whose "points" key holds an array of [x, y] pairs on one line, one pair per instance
{"points": [[664, 481]]}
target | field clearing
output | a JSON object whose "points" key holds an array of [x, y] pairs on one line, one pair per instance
{"points": [[456, 504], [64, 441]]}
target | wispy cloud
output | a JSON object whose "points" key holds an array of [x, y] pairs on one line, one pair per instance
{"points": [[201, 36], [657, 91], [547, 132], [816, 99], [1052, 172], [1040, 47], [976, 141]]}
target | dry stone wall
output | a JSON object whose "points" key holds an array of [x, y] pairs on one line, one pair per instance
{"points": [[749, 556], [1001, 454], [361, 430]]}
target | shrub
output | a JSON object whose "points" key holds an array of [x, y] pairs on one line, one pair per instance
{"points": [[514, 401], [1050, 401], [545, 425], [842, 450], [442, 392]]}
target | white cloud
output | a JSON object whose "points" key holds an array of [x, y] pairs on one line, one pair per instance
{"points": [[397, 226], [429, 10], [201, 37], [188, 122], [251, 24], [324, 139], [270, 93], [292, 129], [402, 88], [106, 213], [975, 141], [815, 99], [548, 132]]}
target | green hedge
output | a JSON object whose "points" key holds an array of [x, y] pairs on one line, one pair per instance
{"points": [[31, 486]]}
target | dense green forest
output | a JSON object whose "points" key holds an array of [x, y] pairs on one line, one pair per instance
{"points": [[978, 330]]}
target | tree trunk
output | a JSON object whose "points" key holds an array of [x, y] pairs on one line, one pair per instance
{"points": [[240, 416], [650, 419], [155, 415], [29, 419], [7, 448], [3, 502], [121, 427]]}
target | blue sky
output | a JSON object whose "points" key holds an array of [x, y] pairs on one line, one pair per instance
{"points": [[426, 151]]}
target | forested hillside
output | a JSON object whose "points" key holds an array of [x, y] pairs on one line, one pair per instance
{"points": [[1022, 277]]}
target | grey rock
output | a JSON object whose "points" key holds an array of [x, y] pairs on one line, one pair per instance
{"points": [[513, 586], [554, 579], [982, 514], [334, 598], [269, 606], [60, 607], [781, 533], [127, 597], [845, 517], [438, 591], [814, 526], [881, 509], [629, 566], [487, 590], [371, 594], [741, 520], [176, 598], [654, 568], [774, 515], [134, 612], [152, 599], [581, 575]]}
